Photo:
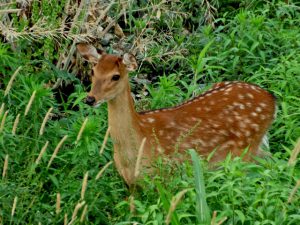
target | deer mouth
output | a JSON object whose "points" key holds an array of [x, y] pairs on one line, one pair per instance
{"points": [[97, 104]]}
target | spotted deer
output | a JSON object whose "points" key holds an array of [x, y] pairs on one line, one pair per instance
{"points": [[230, 117]]}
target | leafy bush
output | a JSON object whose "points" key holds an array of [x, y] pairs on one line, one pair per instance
{"points": [[183, 47]]}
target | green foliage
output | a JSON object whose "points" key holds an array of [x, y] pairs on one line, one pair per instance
{"points": [[254, 41], [202, 211]]}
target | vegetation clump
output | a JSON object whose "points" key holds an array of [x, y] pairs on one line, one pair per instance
{"points": [[52, 172]]}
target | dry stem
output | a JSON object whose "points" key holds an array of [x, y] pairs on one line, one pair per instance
{"points": [[5, 166], [14, 206], [9, 85], [102, 170], [294, 191], [57, 203], [30, 103], [104, 141], [81, 130], [45, 121], [83, 213], [294, 154], [16, 124], [42, 153], [3, 121], [74, 215], [175, 200], [56, 150], [84, 185], [2, 108], [139, 158]]}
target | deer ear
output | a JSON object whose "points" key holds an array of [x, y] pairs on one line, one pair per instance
{"points": [[130, 62], [88, 52]]}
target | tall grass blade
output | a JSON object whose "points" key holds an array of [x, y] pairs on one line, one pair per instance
{"points": [[202, 210]]}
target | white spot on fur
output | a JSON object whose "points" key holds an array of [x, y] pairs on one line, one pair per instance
{"points": [[235, 113], [186, 145], [230, 120], [263, 117], [238, 118], [228, 89], [247, 133], [255, 126], [226, 112], [241, 96], [242, 124], [207, 109], [199, 141], [250, 95], [249, 104], [264, 105], [238, 134], [247, 120], [230, 107], [241, 143], [223, 132], [258, 109], [254, 114], [228, 144], [215, 125], [151, 120]]}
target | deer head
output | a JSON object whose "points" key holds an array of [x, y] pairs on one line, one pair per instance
{"points": [[109, 73]]}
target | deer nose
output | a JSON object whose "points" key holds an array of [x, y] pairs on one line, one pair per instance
{"points": [[90, 100]]}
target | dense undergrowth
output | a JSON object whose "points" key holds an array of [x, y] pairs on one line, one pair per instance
{"points": [[183, 47]]}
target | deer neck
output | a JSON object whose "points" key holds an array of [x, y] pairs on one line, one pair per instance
{"points": [[124, 127]]}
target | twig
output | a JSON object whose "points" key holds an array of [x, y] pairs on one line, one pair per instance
{"points": [[10, 11]]}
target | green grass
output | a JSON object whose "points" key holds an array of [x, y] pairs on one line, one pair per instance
{"points": [[256, 42]]}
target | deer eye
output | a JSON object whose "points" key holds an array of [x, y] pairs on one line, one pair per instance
{"points": [[115, 77]]}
